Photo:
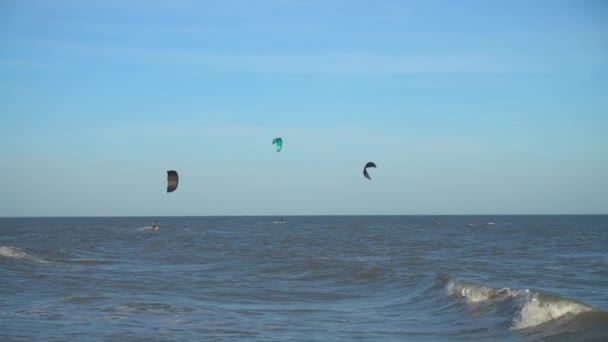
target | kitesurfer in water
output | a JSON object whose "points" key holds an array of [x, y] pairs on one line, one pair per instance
{"points": [[155, 226]]}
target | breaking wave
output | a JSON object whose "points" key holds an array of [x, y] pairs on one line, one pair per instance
{"points": [[530, 308], [540, 308], [474, 293], [18, 253]]}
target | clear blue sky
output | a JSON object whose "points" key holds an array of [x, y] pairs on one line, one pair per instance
{"points": [[467, 107]]}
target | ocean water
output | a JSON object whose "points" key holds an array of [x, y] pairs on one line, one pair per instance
{"points": [[336, 278]]}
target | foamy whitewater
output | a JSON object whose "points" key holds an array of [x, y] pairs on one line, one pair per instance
{"points": [[531, 308], [339, 278]]}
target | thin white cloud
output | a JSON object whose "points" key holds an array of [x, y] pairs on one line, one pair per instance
{"points": [[25, 63], [346, 132], [333, 137], [348, 62], [166, 130]]}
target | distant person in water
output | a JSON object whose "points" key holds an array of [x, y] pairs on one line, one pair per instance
{"points": [[154, 226]]}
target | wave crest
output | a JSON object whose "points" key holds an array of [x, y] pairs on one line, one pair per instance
{"points": [[475, 293], [18, 253], [532, 308], [540, 308]]}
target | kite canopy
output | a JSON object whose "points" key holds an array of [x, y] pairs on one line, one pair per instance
{"points": [[369, 164], [172, 180], [279, 142]]}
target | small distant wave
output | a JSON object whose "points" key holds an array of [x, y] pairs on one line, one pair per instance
{"points": [[153, 308], [18, 253], [84, 299], [87, 261], [532, 308]]}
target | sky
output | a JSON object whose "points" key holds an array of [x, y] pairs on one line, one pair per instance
{"points": [[466, 107]]}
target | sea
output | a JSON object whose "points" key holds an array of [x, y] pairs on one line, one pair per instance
{"points": [[305, 278]]}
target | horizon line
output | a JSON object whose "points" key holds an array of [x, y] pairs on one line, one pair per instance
{"points": [[302, 215]]}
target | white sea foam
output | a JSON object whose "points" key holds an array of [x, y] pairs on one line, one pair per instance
{"points": [[475, 293], [533, 308], [18, 253], [540, 308]]}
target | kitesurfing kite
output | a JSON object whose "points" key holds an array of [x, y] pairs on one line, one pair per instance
{"points": [[172, 180], [279, 142], [369, 164]]}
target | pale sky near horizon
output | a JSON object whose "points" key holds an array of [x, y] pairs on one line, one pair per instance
{"points": [[467, 107]]}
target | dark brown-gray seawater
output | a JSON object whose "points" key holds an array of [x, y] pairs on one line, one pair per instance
{"points": [[335, 278]]}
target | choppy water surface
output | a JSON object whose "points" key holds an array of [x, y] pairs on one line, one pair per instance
{"points": [[434, 278]]}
